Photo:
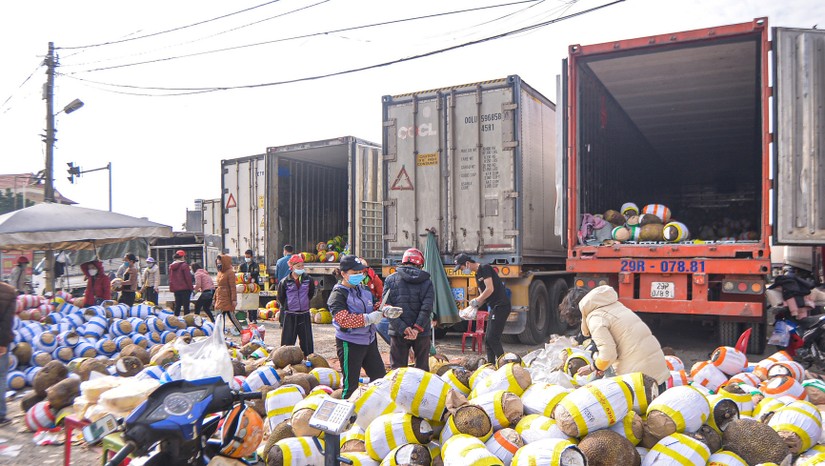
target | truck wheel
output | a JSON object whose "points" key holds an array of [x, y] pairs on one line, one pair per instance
{"points": [[557, 293], [759, 337], [537, 315], [728, 333]]}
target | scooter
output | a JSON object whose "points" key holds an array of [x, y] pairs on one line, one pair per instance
{"points": [[802, 338], [173, 418]]}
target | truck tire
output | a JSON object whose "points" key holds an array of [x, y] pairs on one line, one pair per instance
{"points": [[728, 333], [759, 337], [558, 290], [537, 314]]}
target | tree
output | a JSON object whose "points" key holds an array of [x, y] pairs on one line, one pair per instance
{"points": [[9, 202]]}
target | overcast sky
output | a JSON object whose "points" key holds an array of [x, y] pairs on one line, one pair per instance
{"points": [[166, 150]]}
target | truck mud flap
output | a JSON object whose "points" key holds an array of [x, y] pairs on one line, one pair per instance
{"points": [[517, 321]]}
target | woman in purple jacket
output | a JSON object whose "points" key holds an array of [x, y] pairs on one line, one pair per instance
{"points": [[354, 319]]}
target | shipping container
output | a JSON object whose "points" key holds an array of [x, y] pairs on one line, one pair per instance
{"points": [[304, 194], [477, 164], [212, 215], [684, 120]]}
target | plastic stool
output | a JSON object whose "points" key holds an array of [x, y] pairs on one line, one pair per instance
{"points": [[70, 424]]}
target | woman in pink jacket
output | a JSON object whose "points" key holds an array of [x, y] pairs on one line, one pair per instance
{"points": [[206, 287]]}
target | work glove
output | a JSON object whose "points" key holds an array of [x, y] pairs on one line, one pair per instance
{"points": [[474, 303], [392, 312], [373, 318]]}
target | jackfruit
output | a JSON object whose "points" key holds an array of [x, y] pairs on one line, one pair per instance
{"points": [[754, 441], [606, 448]]}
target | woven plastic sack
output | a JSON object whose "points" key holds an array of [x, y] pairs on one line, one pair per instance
{"points": [[207, 357]]}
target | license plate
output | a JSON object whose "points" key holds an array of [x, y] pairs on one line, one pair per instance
{"points": [[458, 294], [662, 290]]}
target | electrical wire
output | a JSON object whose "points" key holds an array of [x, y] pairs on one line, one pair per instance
{"points": [[305, 36], [39, 65], [179, 28], [362, 68], [200, 38]]}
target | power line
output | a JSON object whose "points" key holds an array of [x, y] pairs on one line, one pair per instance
{"points": [[305, 36], [362, 68], [39, 65], [170, 30], [296, 10]]}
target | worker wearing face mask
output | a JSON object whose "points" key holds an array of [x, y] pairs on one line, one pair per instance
{"points": [[294, 293], [251, 271], [151, 281], [98, 285]]}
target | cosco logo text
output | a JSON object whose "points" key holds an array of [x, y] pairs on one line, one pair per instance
{"points": [[424, 129]]}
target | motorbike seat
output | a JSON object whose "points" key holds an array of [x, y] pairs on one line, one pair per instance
{"points": [[811, 321]]}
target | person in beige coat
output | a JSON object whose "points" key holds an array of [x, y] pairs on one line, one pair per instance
{"points": [[622, 339]]}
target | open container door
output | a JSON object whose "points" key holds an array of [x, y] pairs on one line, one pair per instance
{"points": [[799, 135]]}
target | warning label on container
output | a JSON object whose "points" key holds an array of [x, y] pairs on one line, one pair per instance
{"points": [[423, 160], [230, 201], [402, 181]]}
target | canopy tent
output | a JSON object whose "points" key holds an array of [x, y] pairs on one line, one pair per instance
{"points": [[445, 309], [69, 228]]}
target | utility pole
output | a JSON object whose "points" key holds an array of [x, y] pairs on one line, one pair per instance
{"points": [[48, 192]]}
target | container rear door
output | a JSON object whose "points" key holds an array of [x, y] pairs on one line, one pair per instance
{"points": [[244, 203], [799, 135], [366, 216], [481, 137], [414, 193]]}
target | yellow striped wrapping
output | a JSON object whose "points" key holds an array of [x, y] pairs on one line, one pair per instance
{"points": [[392, 458], [535, 427], [453, 381], [744, 401], [726, 458], [301, 451], [419, 393], [310, 402], [435, 450], [677, 449], [480, 374], [464, 450], [714, 400], [817, 459], [635, 381], [326, 376], [801, 418], [353, 433], [359, 458], [542, 398], [685, 405], [492, 404], [502, 379], [390, 431], [766, 406], [543, 452], [598, 405], [280, 403], [625, 428], [373, 402]]}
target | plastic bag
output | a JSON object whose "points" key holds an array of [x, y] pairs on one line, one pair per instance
{"points": [[251, 333], [781, 334], [468, 313], [207, 357]]}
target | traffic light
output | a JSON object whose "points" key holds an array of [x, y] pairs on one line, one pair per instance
{"points": [[73, 172]]}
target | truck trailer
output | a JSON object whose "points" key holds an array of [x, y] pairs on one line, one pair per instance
{"points": [[478, 164], [717, 124], [303, 194]]}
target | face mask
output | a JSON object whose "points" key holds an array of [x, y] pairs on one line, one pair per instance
{"points": [[247, 259], [220, 266], [298, 272], [126, 263], [93, 272], [150, 265], [355, 279], [467, 271]]}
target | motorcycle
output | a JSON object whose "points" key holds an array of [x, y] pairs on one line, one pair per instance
{"points": [[803, 338], [179, 418]]}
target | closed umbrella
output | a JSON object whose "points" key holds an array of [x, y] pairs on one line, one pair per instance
{"points": [[445, 309]]}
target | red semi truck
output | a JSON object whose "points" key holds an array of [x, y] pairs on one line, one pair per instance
{"points": [[722, 125]]}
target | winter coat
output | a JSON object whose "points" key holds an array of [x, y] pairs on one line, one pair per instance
{"points": [[203, 282], [180, 276], [151, 277], [226, 295], [8, 307], [294, 296], [18, 278], [411, 289], [622, 339], [252, 269], [97, 287]]}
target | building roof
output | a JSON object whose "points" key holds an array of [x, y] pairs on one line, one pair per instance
{"points": [[31, 187]]}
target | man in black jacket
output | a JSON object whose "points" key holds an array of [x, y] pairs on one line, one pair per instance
{"points": [[411, 289], [8, 306], [251, 271]]}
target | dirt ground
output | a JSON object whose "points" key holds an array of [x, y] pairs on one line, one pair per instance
{"points": [[691, 341]]}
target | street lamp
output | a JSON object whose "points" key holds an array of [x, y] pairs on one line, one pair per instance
{"points": [[73, 105]]}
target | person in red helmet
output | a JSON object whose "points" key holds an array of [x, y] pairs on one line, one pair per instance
{"points": [[181, 282], [18, 275], [411, 289]]}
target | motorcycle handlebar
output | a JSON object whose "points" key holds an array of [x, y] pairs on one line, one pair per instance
{"points": [[249, 396], [122, 454]]}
